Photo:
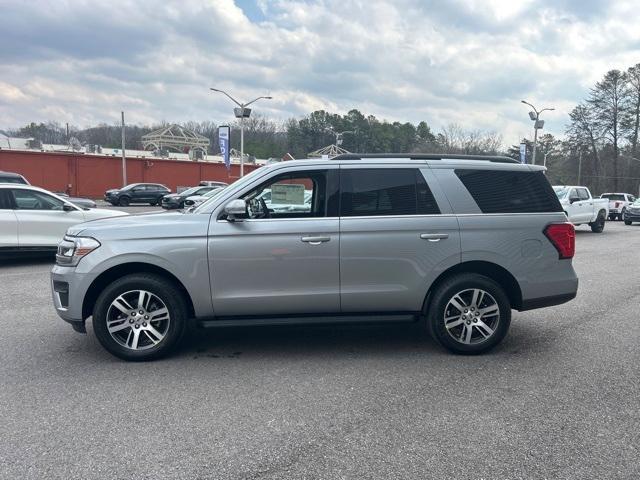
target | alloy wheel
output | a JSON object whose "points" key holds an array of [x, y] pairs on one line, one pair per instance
{"points": [[138, 320], [471, 316]]}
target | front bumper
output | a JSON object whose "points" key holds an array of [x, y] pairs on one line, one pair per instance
{"points": [[68, 289], [170, 203], [631, 216]]}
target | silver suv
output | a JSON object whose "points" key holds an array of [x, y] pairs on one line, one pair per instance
{"points": [[451, 241]]}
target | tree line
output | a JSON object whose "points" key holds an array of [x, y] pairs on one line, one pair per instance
{"points": [[264, 137]]}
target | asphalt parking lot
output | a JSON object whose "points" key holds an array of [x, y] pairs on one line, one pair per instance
{"points": [[558, 399]]}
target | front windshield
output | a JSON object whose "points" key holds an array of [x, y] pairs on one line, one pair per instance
{"points": [[190, 191], [561, 192], [203, 207], [213, 193]]}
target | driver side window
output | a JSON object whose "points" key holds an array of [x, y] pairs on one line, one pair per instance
{"points": [[290, 195], [32, 200]]}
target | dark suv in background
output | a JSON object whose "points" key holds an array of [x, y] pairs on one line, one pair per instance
{"points": [[150, 193], [9, 177]]}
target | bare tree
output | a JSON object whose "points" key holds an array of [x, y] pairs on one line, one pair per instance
{"points": [[608, 101], [632, 117]]}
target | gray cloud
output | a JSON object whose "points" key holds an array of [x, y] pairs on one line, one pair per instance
{"points": [[465, 61]]}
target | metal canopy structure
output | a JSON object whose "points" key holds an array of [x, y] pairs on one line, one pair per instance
{"points": [[330, 151], [176, 138]]}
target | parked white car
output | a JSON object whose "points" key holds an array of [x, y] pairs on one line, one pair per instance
{"points": [[33, 219], [618, 204], [195, 200], [580, 207]]}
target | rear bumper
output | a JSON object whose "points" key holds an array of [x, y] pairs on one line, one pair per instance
{"points": [[543, 302], [557, 283]]}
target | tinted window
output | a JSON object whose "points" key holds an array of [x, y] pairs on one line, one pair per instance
{"points": [[5, 203], [12, 179], [402, 191], [497, 191], [32, 200]]}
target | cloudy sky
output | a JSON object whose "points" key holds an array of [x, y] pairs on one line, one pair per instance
{"points": [[443, 61]]}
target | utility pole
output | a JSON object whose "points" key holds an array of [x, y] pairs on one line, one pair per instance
{"points": [[580, 168], [124, 157]]}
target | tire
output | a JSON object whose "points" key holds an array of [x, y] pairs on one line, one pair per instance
{"points": [[621, 216], [446, 324], [627, 222], [155, 338], [598, 225], [124, 201], [157, 202]]}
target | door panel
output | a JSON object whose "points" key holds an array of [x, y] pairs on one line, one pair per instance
{"points": [[393, 240], [387, 264], [45, 227], [265, 267], [42, 222], [8, 228]]}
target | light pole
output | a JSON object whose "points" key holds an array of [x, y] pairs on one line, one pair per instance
{"points": [[537, 125], [241, 112]]}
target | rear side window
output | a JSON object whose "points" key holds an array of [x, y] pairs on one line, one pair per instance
{"points": [[499, 191], [368, 192]]}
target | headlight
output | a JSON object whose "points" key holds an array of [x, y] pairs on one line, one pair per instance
{"points": [[73, 249]]}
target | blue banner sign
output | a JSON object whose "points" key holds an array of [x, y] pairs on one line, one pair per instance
{"points": [[224, 132]]}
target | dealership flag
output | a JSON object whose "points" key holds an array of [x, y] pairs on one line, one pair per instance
{"points": [[223, 138]]}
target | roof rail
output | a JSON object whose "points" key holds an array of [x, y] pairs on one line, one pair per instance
{"points": [[426, 156]]}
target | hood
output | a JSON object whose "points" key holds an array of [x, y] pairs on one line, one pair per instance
{"points": [[149, 225], [113, 190]]}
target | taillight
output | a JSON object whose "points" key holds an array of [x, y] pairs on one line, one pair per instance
{"points": [[563, 237]]}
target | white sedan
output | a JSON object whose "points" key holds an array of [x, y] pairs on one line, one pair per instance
{"points": [[35, 219]]}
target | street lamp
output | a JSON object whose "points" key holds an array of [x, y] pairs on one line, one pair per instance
{"points": [[241, 112], [537, 125]]}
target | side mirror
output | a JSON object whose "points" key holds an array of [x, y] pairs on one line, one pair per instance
{"points": [[573, 199], [234, 208], [68, 208]]}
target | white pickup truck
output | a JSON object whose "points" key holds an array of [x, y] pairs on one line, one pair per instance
{"points": [[618, 203], [580, 207]]}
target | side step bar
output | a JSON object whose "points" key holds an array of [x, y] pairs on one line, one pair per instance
{"points": [[307, 320]]}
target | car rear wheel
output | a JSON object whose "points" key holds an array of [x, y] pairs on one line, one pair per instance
{"points": [[627, 222], [140, 317], [598, 225], [124, 201], [468, 314]]}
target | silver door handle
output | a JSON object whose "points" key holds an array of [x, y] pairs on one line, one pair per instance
{"points": [[315, 240], [434, 237]]}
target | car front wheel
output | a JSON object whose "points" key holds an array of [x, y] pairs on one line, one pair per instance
{"points": [[140, 317], [468, 314], [124, 201]]}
